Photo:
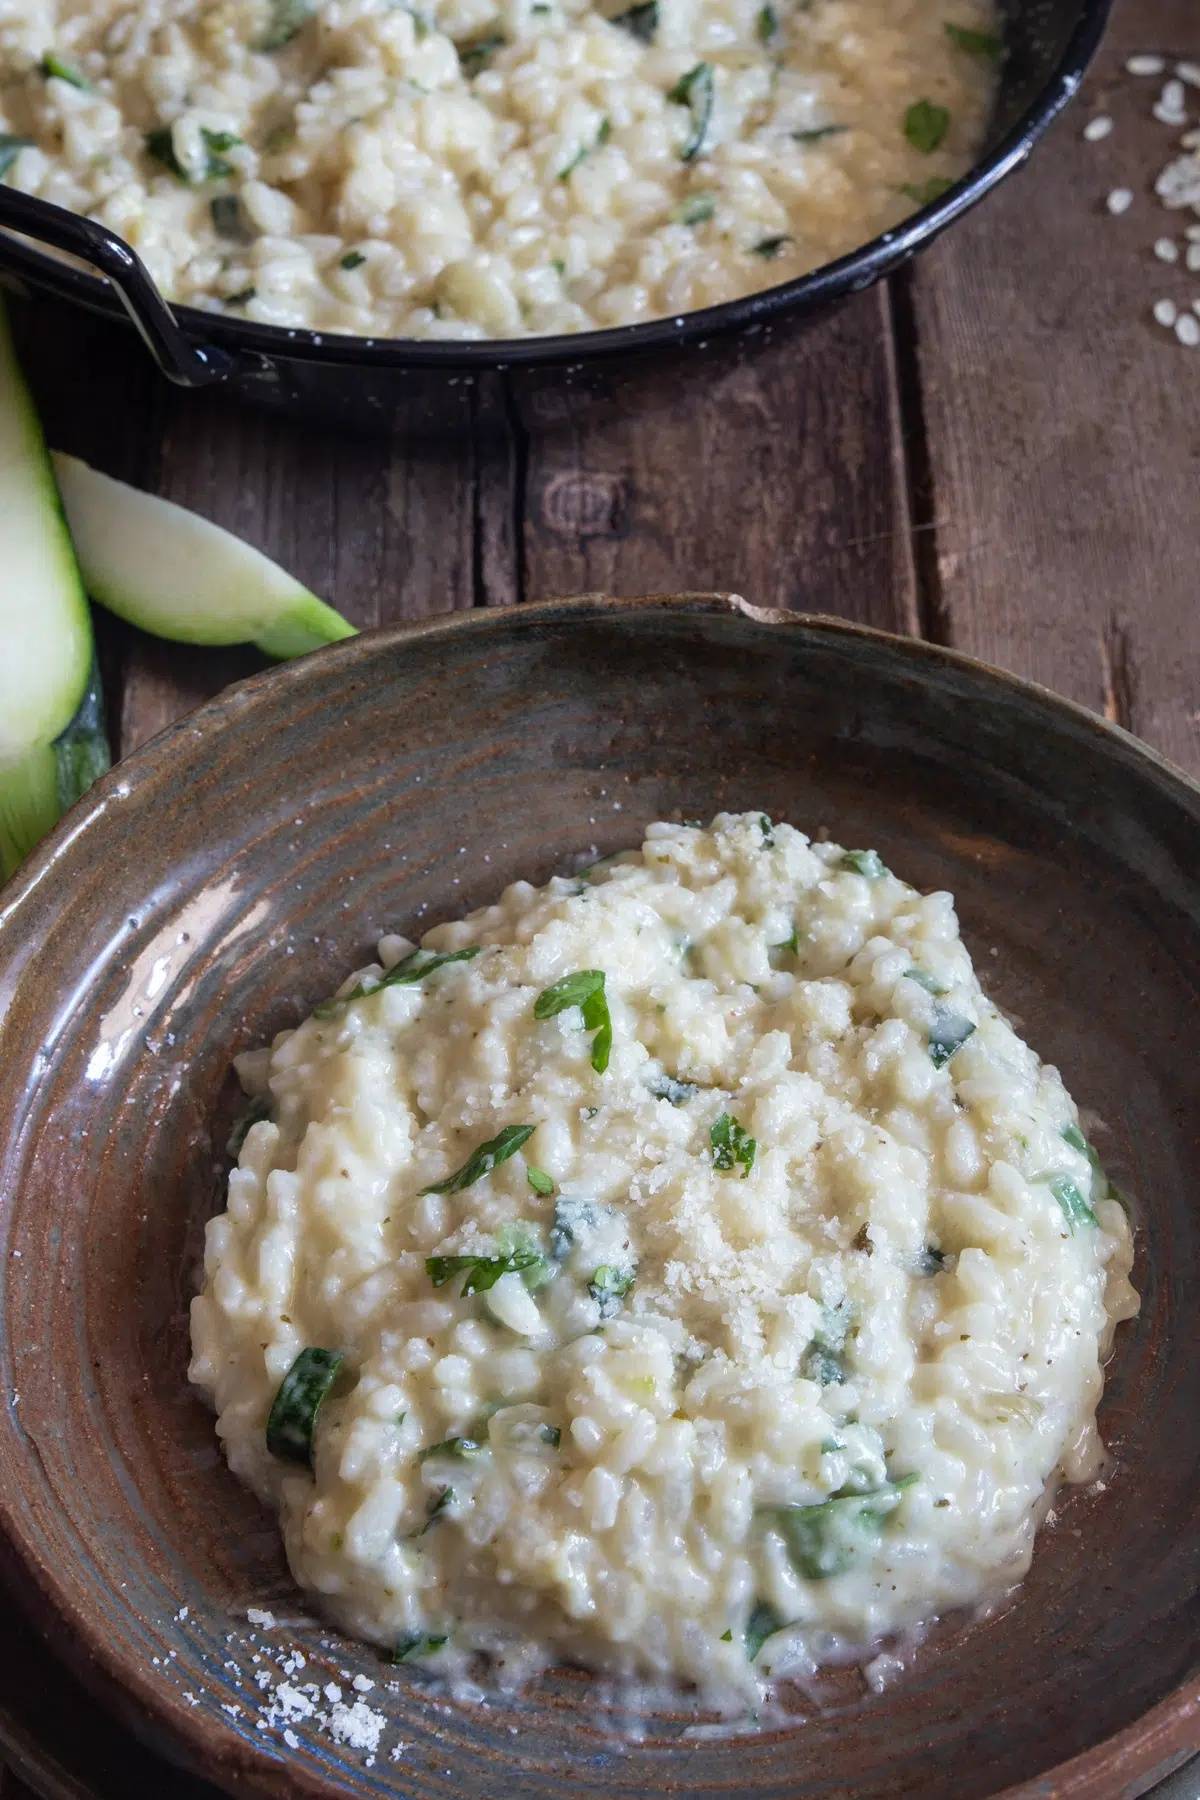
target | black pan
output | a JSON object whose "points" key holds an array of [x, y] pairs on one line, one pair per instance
{"points": [[365, 381]]}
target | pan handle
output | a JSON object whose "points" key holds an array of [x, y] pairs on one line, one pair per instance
{"points": [[181, 361]]}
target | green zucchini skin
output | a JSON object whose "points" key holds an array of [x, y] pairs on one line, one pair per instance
{"points": [[293, 1416], [176, 575], [52, 738]]}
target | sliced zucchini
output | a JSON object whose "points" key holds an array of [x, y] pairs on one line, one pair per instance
{"points": [[52, 743], [180, 576]]}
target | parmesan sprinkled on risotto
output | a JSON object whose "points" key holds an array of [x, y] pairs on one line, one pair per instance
{"points": [[682, 1268], [489, 168]]}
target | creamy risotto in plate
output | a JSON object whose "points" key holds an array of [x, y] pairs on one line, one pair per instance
{"points": [[490, 168], [682, 1268]]}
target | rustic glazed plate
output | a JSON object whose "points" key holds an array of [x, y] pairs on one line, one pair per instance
{"points": [[225, 877]]}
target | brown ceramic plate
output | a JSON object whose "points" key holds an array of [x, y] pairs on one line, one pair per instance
{"points": [[227, 875]]}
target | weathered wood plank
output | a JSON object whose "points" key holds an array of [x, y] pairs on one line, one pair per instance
{"points": [[1062, 421], [780, 476], [384, 528]]}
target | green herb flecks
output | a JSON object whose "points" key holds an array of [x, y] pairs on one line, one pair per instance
{"points": [[731, 1146], [460, 1449], [766, 25], [550, 1434], [696, 90], [539, 1181], [608, 1287], [666, 1087], [816, 134], [867, 863], [768, 248], [930, 1261], [286, 19], [763, 1623], [584, 989], [353, 259], [160, 144], [766, 826], [585, 150], [479, 52], [55, 68], [482, 1272], [924, 193], [411, 968], [695, 210], [976, 43], [483, 1160], [826, 1539], [948, 1032], [925, 125], [293, 1415], [640, 21], [790, 944], [1075, 1208], [824, 1359], [243, 297], [439, 1506], [10, 148], [255, 1113], [924, 980], [1102, 1187], [229, 220], [415, 1646]]}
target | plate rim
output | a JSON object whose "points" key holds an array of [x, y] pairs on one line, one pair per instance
{"points": [[1118, 1767]]}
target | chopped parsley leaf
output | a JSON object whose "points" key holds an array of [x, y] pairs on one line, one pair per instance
{"points": [[925, 125], [461, 1448], [478, 54], [413, 967], [415, 1646], [584, 989], [864, 862], [975, 43], [482, 1272], [293, 1415], [539, 1181], [825, 1539], [287, 16], [353, 259], [815, 134], [763, 1623], [160, 145], [695, 90], [768, 248], [440, 1504], [585, 150], [54, 68], [924, 193], [483, 1160], [732, 1146], [640, 21]]}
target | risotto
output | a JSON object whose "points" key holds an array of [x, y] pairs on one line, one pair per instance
{"points": [[681, 1268], [489, 168]]}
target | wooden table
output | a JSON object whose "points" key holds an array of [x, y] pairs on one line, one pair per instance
{"points": [[999, 451]]}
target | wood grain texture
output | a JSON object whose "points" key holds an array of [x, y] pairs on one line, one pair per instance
{"points": [[780, 477], [1062, 439]]}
